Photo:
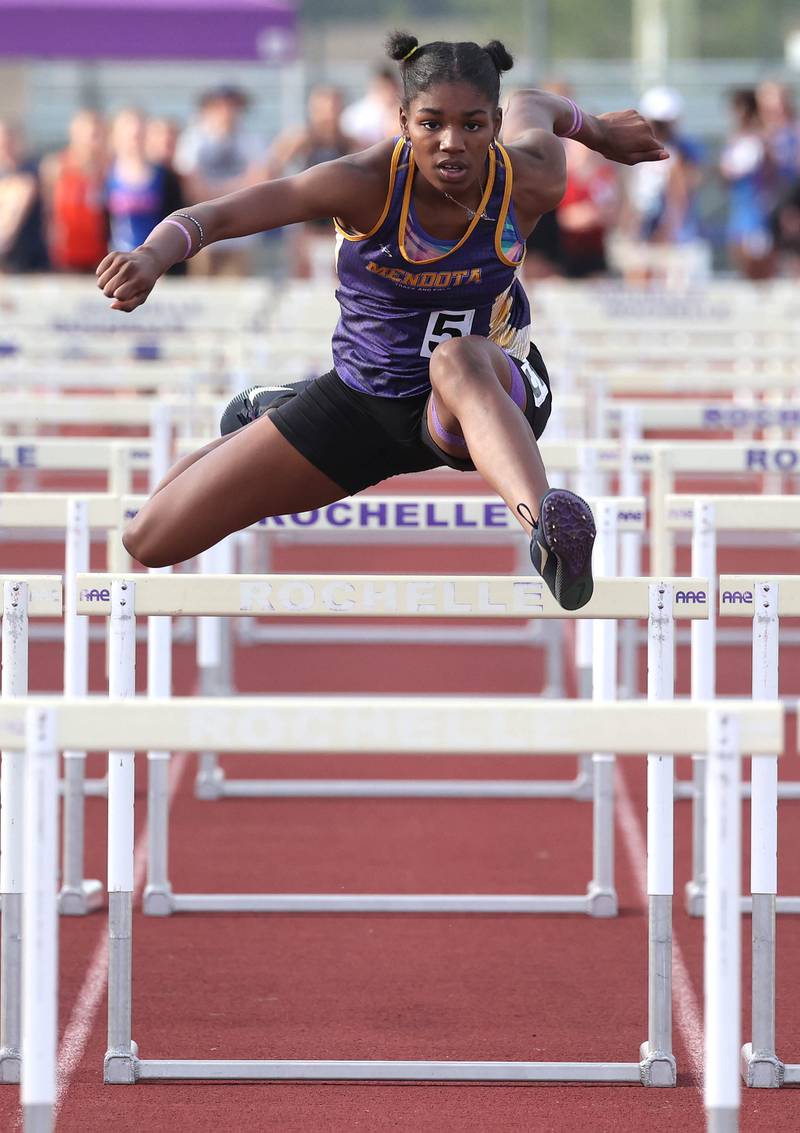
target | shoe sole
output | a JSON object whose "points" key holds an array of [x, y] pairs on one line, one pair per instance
{"points": [[569, 530]]}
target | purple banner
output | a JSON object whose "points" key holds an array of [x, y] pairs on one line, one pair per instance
{"points": [[257, 30]]}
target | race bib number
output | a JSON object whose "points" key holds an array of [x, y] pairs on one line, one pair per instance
{"points": [[443, 325], [538, 387]]}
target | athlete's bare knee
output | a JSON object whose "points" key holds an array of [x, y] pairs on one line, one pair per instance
{"points": [[460, 364], [142, 543]]}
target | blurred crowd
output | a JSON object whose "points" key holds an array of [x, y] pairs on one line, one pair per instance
{"points": [[115, 178]]}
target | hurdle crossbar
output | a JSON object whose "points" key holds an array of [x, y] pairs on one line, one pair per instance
{"points": [[708, 414], [21, 598], [764, 599], [267, 723]]}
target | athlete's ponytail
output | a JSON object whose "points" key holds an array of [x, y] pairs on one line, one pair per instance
{"points": [[422, 66]]}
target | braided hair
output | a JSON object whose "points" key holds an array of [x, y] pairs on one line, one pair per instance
{"points": [[423, 66]]}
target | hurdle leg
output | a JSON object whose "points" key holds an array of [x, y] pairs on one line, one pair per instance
{"points": [[78, 895], [761, 1066], [12, 796], [722, 949], [215, 664], [157, 899], [40, 931], [704, 681], [630, 484], [121, 1056], [658, 1061], [602, 894]]}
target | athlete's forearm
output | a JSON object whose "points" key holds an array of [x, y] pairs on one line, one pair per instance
{"points": [[540, 110], [323, 191]]}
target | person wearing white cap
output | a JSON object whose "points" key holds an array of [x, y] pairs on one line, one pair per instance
{"points": [[661, 201]]}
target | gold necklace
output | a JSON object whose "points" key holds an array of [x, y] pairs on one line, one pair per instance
{"points": [[470, 212]]}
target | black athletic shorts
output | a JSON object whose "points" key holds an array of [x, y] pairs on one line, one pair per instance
{"points": [[358, 439]]}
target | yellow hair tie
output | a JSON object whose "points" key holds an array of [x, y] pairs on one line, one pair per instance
{"points": [[410, 53]]}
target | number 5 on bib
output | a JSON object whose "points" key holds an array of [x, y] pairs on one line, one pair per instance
{"points": [[443, 325]]}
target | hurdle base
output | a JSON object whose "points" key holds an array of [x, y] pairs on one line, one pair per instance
{"points": [[158, 901], [761, 1070], [209, 783], [10, 1065], [121, 1067], [658, 1067], [601, 902], [217, 786], [695, 902], [694, 895], [382, 903], [791, 1074], [77, 902], [376, 1071]]}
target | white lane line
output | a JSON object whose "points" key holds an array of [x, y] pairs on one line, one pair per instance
{"points": [[89, 998], [686, 1009]]}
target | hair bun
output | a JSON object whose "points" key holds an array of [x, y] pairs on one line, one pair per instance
{"points": [[500, 56], [399, 44]]}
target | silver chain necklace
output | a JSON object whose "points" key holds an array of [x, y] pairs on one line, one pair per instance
{"points": [[470, 212]]}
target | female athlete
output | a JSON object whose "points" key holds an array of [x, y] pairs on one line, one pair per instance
{"points": [[432, 353]]}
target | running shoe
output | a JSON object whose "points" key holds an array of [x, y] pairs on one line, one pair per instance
{"points": [[561, 547], [254, 402]]}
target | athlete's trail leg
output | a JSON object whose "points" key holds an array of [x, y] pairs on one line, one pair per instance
{"points": [[253, 474], [471, 381]]}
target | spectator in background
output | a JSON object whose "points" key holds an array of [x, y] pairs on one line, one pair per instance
{"points": [[311, 246], [661, 203], [22, 243], [377, 115], [137, 190], [782, 137], [746, 167], [214, 156], [781, 133], [73, 188]]}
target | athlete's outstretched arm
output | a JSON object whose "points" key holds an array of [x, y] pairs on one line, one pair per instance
{"points": [[533, 125], [535, 116], [352, 188]]}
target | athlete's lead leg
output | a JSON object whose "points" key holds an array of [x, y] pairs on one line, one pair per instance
{"points": [[471, 413], [471, 382]]}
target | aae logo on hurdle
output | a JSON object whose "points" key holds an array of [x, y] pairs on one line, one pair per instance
{"points": [[691, 597], [435, 597], [95, 595], [737, 597]]}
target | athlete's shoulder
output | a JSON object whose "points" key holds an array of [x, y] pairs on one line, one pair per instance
{"points": [[371, 170], [376, 161]]}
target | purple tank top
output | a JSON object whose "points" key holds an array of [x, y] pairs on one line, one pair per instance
{"points": [[395, 310]]}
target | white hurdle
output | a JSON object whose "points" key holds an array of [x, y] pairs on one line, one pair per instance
{"points": [[664, 461], [400, 724], [764, 599], [423, 596], [21, 598], [471, 517], [706, 517]]}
